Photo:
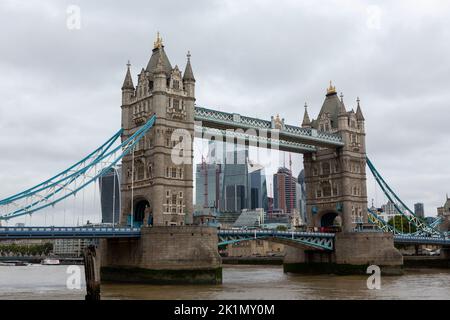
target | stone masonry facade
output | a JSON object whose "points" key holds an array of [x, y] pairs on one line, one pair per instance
{"points": [[156, 190], [336, 178]]}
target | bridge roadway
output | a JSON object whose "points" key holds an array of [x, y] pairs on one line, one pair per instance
{"points": [[322, 241]]}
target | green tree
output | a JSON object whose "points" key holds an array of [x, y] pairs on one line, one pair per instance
{"points": [[26, 249], [402, 224]]}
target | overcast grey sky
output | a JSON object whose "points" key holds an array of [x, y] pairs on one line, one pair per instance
{"points": [[61, 95]]}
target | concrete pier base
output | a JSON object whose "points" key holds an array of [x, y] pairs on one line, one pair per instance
{"points": [[172, 255], [353, 253], [92, 273], [445, 253]]}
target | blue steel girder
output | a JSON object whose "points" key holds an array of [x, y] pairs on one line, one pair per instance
{"points": [[68, 184], [437, 222], [380, 223], [224, 120], [399, 205], [69, 173], [9, 233], [411, 239], [321, 241], [253, 140]]}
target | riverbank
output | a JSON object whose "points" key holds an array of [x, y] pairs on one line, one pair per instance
{"points": [[408, 261], [425, 262], [37, 260], [276, 261]]}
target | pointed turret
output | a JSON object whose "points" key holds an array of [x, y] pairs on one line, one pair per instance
{"points": [[158, 53], [332, 108], [306, 121], [342, 110], [128, 81], [159, 74], [188, 78], [188, 74], [127, 87], [159, 68], [359, 114]]}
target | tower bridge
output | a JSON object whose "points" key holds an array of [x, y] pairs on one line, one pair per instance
{"points": [[156, 239]]}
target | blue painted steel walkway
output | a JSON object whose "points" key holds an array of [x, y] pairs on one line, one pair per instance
{"points": [[290, 137], [404, 239], [322, 241], [317, 240], [8, 233]]}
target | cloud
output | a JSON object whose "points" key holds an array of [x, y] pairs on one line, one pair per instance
{"points": [[60, 88]]}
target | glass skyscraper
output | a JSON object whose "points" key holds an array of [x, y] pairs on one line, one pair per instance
{"points": [[232, 181], [110, 195]]}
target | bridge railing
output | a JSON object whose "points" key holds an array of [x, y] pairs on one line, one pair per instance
{"points": [[68, 229], [237, 120], [275, 233], [255, 139]]}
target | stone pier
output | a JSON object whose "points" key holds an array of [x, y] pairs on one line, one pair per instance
{"points": [[172, 255], [353, 253]]}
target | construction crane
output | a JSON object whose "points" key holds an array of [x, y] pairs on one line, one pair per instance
{"points": [[205, 183], [292, 185]]}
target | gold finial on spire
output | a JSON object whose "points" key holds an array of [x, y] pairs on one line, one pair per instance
{"points": [[158, 43], [331, 89]]}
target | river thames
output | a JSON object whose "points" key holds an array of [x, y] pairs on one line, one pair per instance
{"points": [[239, 282]]}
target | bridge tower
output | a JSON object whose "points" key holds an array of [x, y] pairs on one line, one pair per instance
{"points": [[336, 193], [336, 178], [155, 189], [157, 184]]}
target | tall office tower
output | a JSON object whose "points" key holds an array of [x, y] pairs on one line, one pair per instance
{"points": [[419, 209], [208, 185], [284, 190], [301, 195], [258, 187], [110, 195], [235, 182]]}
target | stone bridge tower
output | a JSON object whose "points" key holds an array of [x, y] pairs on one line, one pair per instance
{"points": [[155, 189], [336, 178]]}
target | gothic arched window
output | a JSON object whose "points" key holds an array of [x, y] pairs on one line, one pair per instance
{"points": [[335, 189], [140, 171], [326, 168], [326, 188]]}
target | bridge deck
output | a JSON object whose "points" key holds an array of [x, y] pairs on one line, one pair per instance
{"points": [[290, 137], [314, 239], [8, 233], [402, 239]]}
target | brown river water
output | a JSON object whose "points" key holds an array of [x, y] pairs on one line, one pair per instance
{"points": [[239, 282]]}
